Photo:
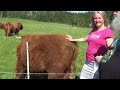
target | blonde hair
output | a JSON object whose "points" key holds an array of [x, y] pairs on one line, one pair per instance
{"points": [[104, 17]]}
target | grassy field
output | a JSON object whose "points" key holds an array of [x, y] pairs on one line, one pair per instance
{"points": [[8, 45]]}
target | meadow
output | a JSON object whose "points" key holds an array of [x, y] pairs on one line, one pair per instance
{"points": [[8, 45]]}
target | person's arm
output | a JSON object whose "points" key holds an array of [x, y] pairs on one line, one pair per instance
{"points": [[109, 41], [98, 58], [84, 39]]}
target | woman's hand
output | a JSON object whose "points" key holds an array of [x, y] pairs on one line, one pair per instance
{"points": [[98, 58], [68, 37]]}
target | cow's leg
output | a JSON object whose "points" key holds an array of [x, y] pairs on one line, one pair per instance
{"points": [[66, 75], [16, 32], [72, 70], [5, 32], [20, 68], [8, 33], [19, 71]]}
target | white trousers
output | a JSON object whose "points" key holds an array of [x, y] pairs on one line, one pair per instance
{"points": [[90, 70]]}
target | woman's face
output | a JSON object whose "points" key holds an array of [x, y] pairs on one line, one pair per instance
{"points": [[98, 20]]}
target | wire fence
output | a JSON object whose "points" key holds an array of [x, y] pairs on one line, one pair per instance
{"points": [[8, 74], [31, 73]]}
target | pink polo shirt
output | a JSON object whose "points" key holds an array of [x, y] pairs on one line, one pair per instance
{"points": [[97, 44]]}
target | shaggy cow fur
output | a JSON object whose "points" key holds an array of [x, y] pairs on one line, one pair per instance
{"points": [[51, 54], [11, 28]]}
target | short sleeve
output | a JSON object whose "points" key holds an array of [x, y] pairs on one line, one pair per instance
{"points": [[109, 34]]}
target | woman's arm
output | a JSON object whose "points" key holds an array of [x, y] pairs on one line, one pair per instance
{"points": [[84, 39], [98, 58], [109, 41]]}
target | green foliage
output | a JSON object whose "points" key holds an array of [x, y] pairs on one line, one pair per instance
{"points": [[80, 19], [74, 19], [8, 45]]}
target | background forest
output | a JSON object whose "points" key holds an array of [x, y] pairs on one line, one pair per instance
{"points": [[64, 17]]}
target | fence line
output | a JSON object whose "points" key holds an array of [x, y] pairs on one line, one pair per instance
{"points": [[30, 73]]}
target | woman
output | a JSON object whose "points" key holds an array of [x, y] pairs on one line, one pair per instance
{"points": [[98, 40]]}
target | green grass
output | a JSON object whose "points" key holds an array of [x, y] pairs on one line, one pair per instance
{"points": [[8, 45]]}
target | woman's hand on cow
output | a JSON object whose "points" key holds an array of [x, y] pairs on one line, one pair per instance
{"points": [[98, 58], [68, 37]]}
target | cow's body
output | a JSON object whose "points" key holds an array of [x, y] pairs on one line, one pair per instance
{"points": [[51, 54], [11, 28]]}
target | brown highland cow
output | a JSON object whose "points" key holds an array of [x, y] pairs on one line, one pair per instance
{"points": [[11, 28], [50, 54]]}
